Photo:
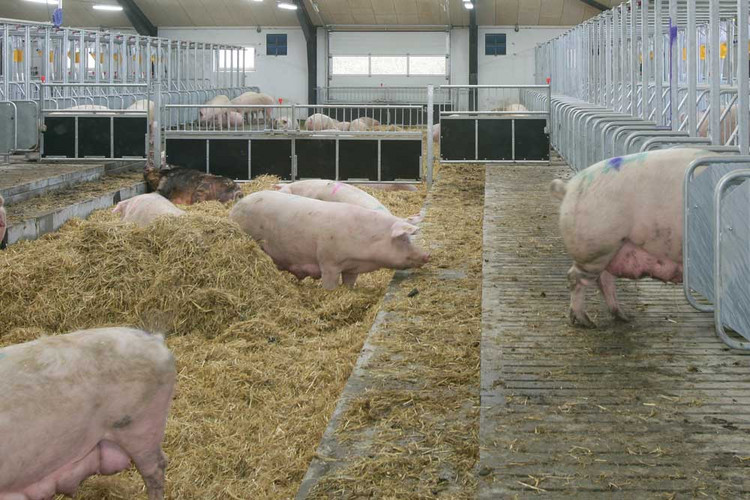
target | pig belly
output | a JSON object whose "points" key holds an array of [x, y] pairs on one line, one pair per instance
{"points": [[634, 262], [106, 458]]}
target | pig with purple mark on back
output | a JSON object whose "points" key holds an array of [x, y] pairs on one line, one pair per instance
{"points": [[81, 404], [328, 240], [623, 218]]}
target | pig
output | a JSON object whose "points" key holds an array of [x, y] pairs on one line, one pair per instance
{"points": [[363, 124], [230, 119], [389, 187], [3, 222], [282, 123], [436, 133], [186, 186], [143, 209], [324, 190], [80, 404], [208, 114], [328, 240], [144, 105], [252, 98], [515, 107], [343, 126], [726, 127], [623, 217], [319, 121]]}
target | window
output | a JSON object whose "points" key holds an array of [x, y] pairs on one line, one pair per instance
{"points": [[225, 59], [494, 44], [276, 44], [426, 65], [387, 65], [356, 65]]}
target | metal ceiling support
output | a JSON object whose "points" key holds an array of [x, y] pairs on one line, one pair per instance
{"points": [[137, 18], [473, 57], [311, 37], [595, 4]]}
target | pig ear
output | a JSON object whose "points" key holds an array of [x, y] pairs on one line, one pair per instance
{"points": [[402, 228], [415, 219], [277, 187]]}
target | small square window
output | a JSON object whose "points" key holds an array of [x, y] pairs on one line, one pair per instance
{"points": [[276, 44], [494, 44]]}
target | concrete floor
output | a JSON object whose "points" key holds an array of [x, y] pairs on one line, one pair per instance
{"points": [[656, 408]]}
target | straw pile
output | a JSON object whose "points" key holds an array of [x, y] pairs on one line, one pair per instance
{"points": [[416, 427], [261, 356]]}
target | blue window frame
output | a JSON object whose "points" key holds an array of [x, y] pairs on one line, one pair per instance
{"points": [[276, 44], [494, 44]]}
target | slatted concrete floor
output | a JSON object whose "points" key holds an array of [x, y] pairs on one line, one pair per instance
{"points": [[657, 408]]}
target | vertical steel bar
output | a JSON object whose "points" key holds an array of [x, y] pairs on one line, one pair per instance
{"points": [[645, 77], [715, 68], [658, 62], [623, 57], [27, 62], [743, 85], [673, 77], [633, 58], [430, 152]]}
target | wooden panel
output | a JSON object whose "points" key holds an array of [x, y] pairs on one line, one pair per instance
{"points": [[550, 12], [528, 12], [506, 12]]}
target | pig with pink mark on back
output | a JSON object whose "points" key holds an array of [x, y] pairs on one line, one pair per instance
{"points": [[80, 404], [328, 240], [325, 190], [623, 217]]}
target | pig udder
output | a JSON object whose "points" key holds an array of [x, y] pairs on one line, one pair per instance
{"points": [[633, 262]]}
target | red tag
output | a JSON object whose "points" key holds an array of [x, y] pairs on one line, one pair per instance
{"points": [[549, 80], [42, 78]]}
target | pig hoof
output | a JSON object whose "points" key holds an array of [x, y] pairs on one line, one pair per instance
{"points": [[621, 316], [581, 319]]}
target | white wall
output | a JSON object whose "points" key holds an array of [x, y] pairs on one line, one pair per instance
{"points": [[286, 76], [517, 66], [280, 76]]}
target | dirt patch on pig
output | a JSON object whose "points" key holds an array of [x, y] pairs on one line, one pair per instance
{"points": [[261, 357]]}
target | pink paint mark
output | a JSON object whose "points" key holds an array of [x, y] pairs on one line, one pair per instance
{"points": [[336, 187]]}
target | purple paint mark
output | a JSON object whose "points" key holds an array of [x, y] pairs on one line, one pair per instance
{"points": [[616, 163], [672, 34], [336, 187]]}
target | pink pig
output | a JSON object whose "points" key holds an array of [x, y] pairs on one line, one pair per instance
{"points": [[324, 190], [143, 209], [622, 217], [81, 404], [327, 240]]}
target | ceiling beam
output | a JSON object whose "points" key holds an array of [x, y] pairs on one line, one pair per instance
{"points": [[595, 4], [311, 37], [137, 18]]}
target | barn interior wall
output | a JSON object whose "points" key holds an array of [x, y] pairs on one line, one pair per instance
{"points": [[282, 77], [286, 76]]}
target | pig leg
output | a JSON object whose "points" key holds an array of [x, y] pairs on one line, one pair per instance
{"points": [[349, 279], [578, 281], [606, 284], [152, 467], [330, 277]]}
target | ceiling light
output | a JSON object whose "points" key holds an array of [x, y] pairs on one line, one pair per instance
{"points": [[53, 2], [286, 5], [469, 5], [257, 1], [106, 7]]}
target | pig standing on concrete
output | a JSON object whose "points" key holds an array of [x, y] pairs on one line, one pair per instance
{"points": [[623, 217], [253, 98], [324, 190], [326, 240], [208, 114], [143, 209], [3, 222], [186, 186], [80, 404], [230, 119]]}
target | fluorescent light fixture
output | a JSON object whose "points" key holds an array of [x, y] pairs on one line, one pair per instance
{"points": [[257, 1], [51, 2], [286, 5], [469, 5], [106, 7]]}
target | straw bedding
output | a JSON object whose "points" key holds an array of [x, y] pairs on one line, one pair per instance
{"points": [[261, 357], [416, 426]]}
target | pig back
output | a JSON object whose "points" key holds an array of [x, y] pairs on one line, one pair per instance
{"points": [[65, 393]]}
